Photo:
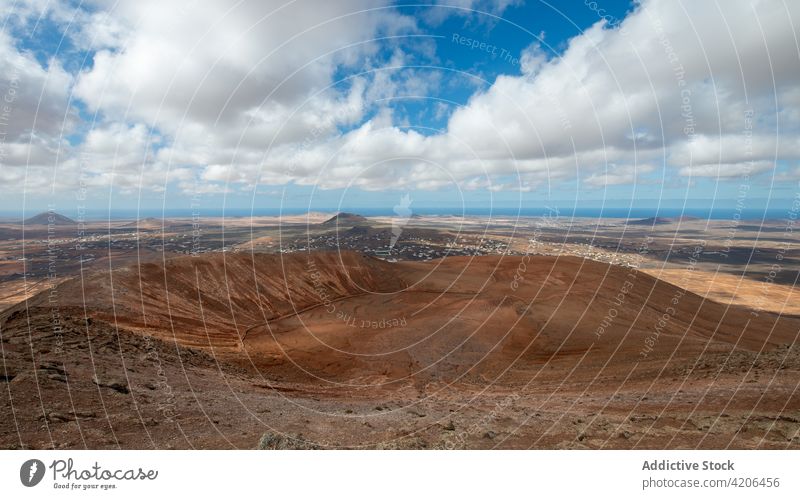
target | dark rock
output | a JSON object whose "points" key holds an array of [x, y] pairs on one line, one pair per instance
{"points": [[150, 421], [57, 377], [118, 385], [52, 366], [84, 414], [59, 417]]}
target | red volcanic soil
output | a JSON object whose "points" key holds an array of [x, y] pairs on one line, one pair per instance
{"points": [[212, 301], [345, 350]]}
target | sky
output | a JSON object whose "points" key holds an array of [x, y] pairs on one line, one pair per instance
{"points": [[464, 105]]}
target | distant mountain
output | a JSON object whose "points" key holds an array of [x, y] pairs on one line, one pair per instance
{"points": [[49, 218], [345, 219], [146, 223], [662, 220], [650, 221]]}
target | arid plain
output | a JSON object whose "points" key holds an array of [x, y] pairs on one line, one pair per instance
{"points": [[321, 331]]}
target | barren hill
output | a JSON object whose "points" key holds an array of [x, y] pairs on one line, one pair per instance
{"points": [[460, 318], [351, 351], [346, 316], [49, 218], [345, 219], [211, 301]]}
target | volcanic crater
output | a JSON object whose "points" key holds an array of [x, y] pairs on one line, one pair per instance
{"points": [[344, 350]]}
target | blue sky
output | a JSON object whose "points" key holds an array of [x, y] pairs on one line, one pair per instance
{"points": [[464, 105]]}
